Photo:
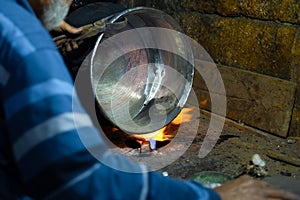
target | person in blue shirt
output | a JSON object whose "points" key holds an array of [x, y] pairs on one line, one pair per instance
{"points": [[41, 153]]}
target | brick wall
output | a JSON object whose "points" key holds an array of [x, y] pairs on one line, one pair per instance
{"points": [[256, 38]]}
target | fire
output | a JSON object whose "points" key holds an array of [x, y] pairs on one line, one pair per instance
{"points": [[154, 140], [157, 135], [169, 131], [184, 116]]}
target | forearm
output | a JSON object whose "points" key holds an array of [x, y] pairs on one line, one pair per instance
{"points": [[51, 159]]}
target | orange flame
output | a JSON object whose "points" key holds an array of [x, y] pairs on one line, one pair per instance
{"points": [[184, 116], [169, 131]]}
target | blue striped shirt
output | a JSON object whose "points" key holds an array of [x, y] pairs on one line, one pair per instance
{"points": [[41, 149]]}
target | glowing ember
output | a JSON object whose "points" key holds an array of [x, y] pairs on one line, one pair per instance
{"points": [[203, 102]]}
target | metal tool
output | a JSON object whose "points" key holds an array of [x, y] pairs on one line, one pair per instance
{"points": [[93, 29]]}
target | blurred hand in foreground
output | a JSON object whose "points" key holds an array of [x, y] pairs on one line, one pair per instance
{"points": [[246, 187]]}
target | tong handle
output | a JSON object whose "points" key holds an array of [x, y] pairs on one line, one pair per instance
{"points": [[93, 29]]}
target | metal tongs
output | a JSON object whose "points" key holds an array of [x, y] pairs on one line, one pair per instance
{"points": [[93, 29]]}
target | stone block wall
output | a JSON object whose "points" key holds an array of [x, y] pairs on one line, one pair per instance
{"points": [[254, 36]]}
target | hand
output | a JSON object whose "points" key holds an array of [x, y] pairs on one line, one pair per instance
{"points": [[247, 187], [67, 28]]}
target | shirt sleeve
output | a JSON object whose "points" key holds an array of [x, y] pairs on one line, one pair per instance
{"points": [[52, 162]]}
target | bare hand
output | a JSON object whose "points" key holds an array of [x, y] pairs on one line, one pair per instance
{"points": [[65, 27], [62, 43], [247, 187]]}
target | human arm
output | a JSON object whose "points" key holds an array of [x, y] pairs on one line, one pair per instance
{"points": [[247, 187], [46, 140], [51, 158]]}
